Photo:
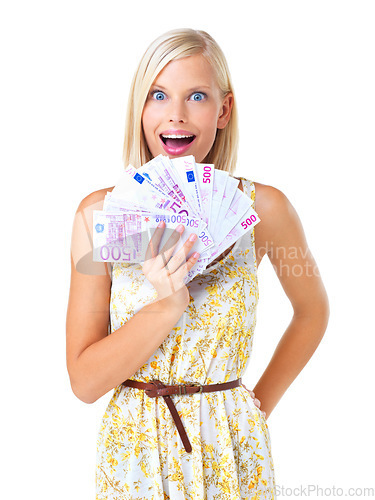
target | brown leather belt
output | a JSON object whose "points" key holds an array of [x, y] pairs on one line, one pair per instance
{"points": [[157, 388]]}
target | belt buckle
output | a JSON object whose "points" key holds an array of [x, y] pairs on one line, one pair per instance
{"points": [[199, 385], [181, 389], [152, 393]]}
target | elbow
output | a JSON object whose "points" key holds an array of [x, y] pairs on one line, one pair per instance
{"points": [[322, 313], [83, 395], [325, 312], [328, 312], [80, 382], [85, 398], [81, 391], [315, 314]]}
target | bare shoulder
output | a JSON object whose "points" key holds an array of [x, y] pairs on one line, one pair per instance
{"points": [[95, 199], [82, 236], [268, 198], [281, 236], [279, 222]]}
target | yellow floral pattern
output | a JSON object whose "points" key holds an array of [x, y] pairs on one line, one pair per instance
{"points": [[139, 451]]}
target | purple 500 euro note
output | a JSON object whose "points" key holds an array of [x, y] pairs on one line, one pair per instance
{"points": [[125, 236]]}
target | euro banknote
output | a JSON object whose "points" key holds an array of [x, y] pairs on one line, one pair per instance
{"points": [[206, 200], [124, 236]]}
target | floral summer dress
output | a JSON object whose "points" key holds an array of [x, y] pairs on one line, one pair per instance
{"points": [[140, 454]]}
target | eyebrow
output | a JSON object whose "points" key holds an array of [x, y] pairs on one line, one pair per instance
{"points": [[189, 90]]}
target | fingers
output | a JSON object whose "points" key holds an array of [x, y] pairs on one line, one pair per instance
{"points": [[258, 403], [180, 257], [256, 400], [248, 390], [153, 247], [172, 241], [160, 258], [174, 267], [166, 259], [163, 269], [179, 261], [185, 268]]}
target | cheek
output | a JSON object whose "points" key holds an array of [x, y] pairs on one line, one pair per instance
{"points": [[209, 129], [148, 120], [208, 121]]}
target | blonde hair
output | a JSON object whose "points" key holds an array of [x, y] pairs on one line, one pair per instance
{"points": [[173, 45]]}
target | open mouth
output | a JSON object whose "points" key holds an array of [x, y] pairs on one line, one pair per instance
{"points": [[177, 141]]}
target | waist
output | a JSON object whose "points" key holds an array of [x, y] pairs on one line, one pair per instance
{"points": [[156, 388]]}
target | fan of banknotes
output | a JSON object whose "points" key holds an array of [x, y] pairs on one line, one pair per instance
{"points": [[205, 200]]}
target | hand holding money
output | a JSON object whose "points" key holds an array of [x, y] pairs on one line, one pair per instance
{"points": [[167, 271], [205, 200]]}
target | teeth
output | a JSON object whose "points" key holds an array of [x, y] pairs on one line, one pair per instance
{"points": [[172, 136]]}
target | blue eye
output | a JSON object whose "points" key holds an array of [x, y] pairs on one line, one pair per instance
{"points": [[158, 94], [198, 94]]}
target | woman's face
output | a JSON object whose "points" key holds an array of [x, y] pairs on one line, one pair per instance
{"points": [[185, 100]]}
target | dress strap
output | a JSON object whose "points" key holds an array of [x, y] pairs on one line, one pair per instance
{"points": [[248, 189]]}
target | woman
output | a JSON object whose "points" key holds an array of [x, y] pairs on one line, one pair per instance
{"points": [[199, 442]]}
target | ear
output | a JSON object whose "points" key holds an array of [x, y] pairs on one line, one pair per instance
{"points": [[225, 110]]}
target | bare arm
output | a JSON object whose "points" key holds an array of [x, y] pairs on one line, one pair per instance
{"points": [[98, 362], [283, 238]]}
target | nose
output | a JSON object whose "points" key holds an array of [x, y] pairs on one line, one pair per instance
{"points": [[177, 112]]}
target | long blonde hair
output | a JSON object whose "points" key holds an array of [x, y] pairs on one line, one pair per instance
{"points": [[172, 45]]}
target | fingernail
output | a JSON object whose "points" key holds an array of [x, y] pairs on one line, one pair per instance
{"points": [[180, 228], [192, 237], [161, 223], [195, 255]]}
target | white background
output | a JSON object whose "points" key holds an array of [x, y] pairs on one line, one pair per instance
{"points": [[304, 79]]}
